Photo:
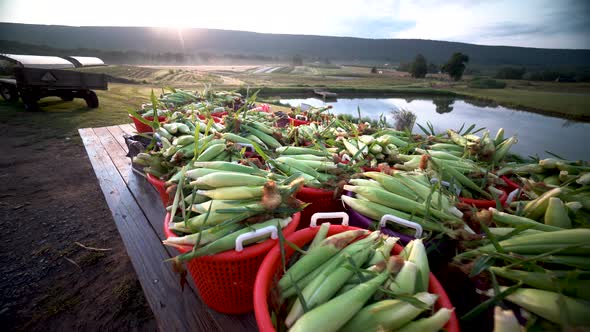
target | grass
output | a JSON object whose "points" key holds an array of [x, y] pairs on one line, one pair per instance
{"points": [[62, 119], [565, 104]]}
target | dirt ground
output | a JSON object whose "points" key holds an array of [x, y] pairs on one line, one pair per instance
{"points": [[50, 202]]}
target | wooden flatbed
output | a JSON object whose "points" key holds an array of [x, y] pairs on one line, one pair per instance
{"points": [[139, 215]]}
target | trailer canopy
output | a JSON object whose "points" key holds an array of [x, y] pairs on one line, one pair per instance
{"points": [[37, 61], [85, 61]]}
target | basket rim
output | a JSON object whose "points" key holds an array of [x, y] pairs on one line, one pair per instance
{"points": [[232, 255], [263, 281]]}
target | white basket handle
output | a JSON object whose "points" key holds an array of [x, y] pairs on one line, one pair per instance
{"points": [[328, 215], [256, 234], [512, 195], [301, 117], [403, 222], [249, 147], [446, 184]]}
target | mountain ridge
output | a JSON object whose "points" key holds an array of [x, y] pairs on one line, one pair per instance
{"points": [[334, 48]]}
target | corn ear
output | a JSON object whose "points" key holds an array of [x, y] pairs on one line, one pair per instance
{"points": [[549, 305], [331, 316], [418, 257], [505, 321], [536, 208], [514, 221], [556, 214], [387, 315], [229, 179], [233, 193], [405, 282], [433, 323]]}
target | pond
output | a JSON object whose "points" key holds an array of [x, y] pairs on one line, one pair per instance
{"points": [[536, 133]]}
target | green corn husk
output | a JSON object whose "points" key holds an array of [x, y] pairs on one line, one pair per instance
{"points": [[499, 137], [376, 211], [204, 237], [317, 256], [550, 305], [505, 321], [514, 221], [222, 179], [406, 280], [418, 257], [394, 201], [572, 241], [430, 324], [556, 214], [387, 315], [228, 242], [320, 236], [288, 150], [568, 282], [536, 208], [321, 289], [233, 193], [331, 316]]}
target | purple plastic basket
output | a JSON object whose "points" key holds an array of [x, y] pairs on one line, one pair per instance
{"points": [[358, 220], [440, 251]]}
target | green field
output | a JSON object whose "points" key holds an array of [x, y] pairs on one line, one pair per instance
{"points": [[569, 100]]}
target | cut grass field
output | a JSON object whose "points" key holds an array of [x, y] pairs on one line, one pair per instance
{"points": [[557, 103], [567, 100]]}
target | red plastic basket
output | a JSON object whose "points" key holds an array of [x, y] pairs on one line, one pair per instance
{"points": [[297, 122], [160, 186], [270, 272], [215, 118], [225, 280], [320, 201], [143, 128], [484, 203], [220, 114]]}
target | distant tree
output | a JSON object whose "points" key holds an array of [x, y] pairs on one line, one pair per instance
{"points": [[433, 68], [456, 66], [510, 73], [404, 66], [374, 70], [419, 67], [297, 60]]}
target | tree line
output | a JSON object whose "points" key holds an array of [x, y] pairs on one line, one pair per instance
{"points": [[456, 67]]}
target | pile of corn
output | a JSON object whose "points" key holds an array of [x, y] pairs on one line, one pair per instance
{"points": [[239, 174]]}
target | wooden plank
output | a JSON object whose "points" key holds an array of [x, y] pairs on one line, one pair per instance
{"points": [[143, 192], [128, 128], [115, 151], [174, 309], [118, 133]]}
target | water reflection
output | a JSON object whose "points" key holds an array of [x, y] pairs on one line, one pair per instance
{"points": [[443, 104], [536, 133]]}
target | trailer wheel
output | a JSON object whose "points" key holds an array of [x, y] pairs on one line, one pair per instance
{"points": [[9, 92], [30, 101], [91, 99]]}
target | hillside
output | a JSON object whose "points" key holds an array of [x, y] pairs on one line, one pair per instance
{"points": [[204, 42]]}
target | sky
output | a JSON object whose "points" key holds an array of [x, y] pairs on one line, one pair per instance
{"points": [[530, 23]]}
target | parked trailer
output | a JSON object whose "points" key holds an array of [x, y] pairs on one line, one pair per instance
{"points": [[38, 78]]}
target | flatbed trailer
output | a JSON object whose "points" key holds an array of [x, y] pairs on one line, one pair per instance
{"points": [[32, 84]]}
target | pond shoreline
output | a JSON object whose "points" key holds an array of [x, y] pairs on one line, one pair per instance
{"points": [[346, 92]]}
